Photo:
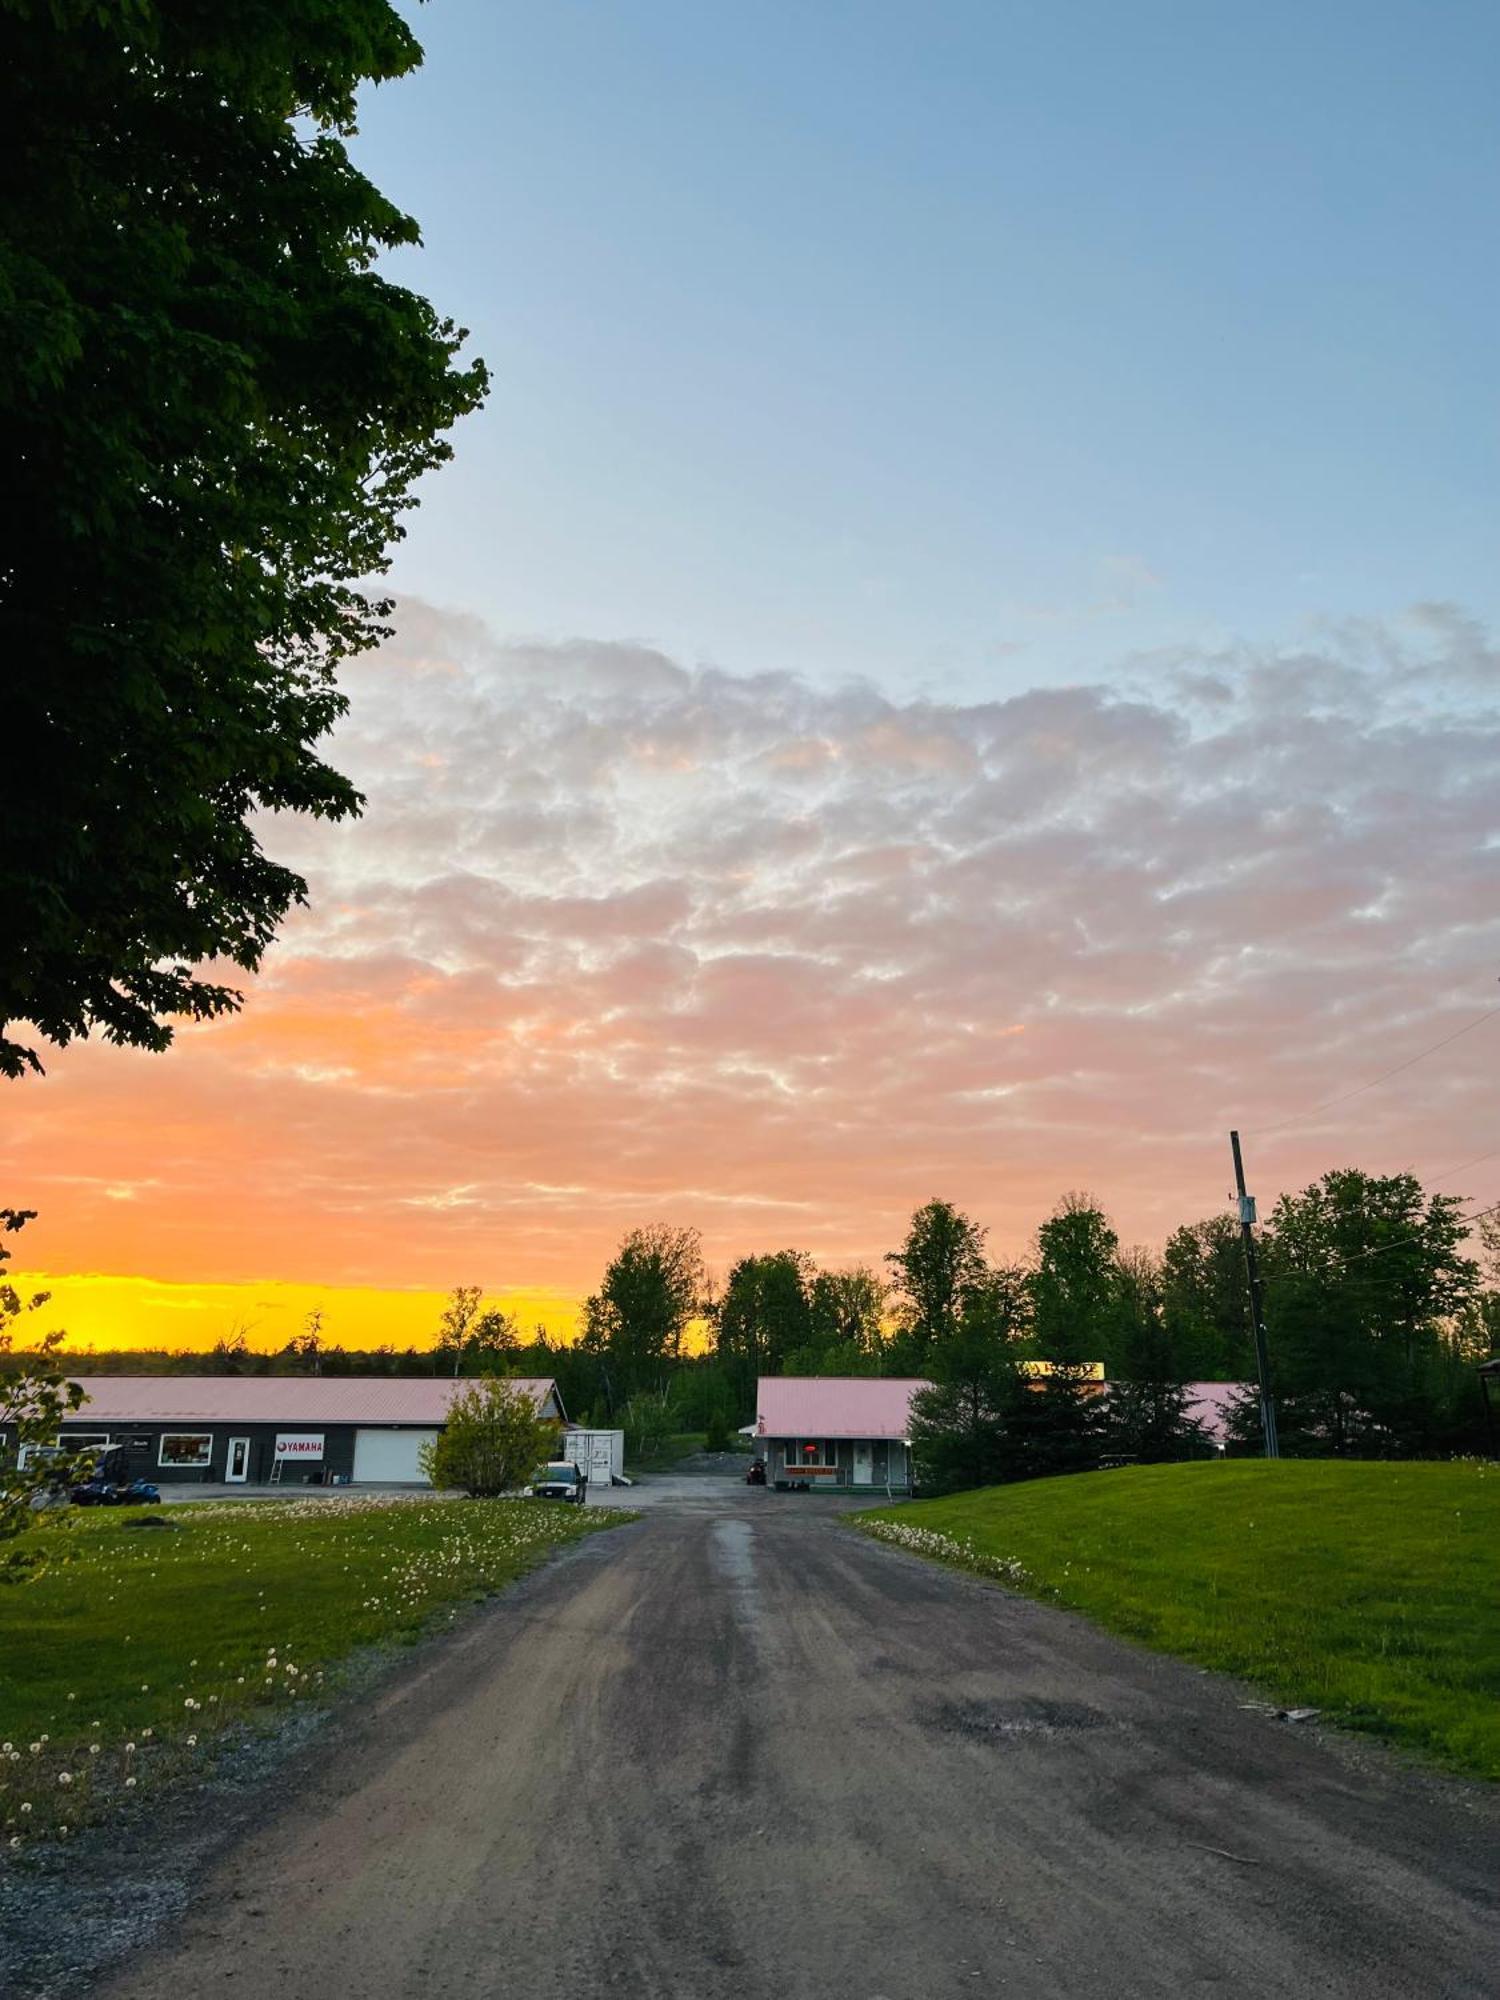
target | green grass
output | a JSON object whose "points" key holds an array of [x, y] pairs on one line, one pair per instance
{"points": [[1370, 1592], [150, 1643]]}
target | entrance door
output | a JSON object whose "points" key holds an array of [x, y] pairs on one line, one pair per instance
{"points": [[864, 1462], [237, 1464]]}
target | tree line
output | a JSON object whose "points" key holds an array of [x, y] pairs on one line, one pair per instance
{"points": [[1378, 1310]]}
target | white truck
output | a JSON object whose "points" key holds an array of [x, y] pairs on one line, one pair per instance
{"points": [[600, 1453]]}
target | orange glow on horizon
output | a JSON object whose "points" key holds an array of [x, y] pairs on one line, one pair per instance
{"points": [[100, 1310]]}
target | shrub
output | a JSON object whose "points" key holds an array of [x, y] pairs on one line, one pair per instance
{"points": [[493, 1442]]}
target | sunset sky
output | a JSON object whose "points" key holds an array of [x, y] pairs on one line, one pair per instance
{"points": [[957, 660]]}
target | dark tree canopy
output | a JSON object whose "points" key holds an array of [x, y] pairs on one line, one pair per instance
{"points": [[635, 1321], [213, 411], [941, 1258]]}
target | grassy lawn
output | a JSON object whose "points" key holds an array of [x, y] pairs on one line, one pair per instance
{"points": [[1371, 1592], [149, 1643]]}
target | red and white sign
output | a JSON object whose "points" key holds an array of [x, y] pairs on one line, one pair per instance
{"points": [[299, 1444]]}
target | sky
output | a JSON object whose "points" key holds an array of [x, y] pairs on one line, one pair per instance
{"points": [[958, 659]]}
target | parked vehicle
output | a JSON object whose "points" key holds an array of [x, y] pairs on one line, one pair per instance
{"points": [[101, 1492], [111, 1485], [756, 1476], [561, 1480]]}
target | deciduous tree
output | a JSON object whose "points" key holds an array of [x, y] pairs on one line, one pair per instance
{"points": [[941, 1258], [635, 1322], [35, 1396], [214, 410]]}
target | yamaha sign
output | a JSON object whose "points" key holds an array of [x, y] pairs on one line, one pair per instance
{"points": [[303, 1445]]}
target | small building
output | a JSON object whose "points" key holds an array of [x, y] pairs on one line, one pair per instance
{"points": [[836, 1432], [311, 1430]]}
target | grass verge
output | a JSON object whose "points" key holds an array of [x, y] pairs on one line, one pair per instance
{"points": [[1370, 1592], [124, 1663]]}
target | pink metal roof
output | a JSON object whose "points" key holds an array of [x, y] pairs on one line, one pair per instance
{"points": [[277, 1399], [834, 1406]]}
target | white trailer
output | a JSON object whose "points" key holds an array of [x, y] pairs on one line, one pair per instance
{"points": [[600, 1453]]}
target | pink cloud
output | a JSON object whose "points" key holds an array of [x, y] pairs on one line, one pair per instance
{"points": [[618, 939]]}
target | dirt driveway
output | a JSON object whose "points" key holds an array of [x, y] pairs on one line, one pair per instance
{"points": [[735, 1749]]}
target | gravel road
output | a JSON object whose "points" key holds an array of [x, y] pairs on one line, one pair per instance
{"points": [[736, 1749]]}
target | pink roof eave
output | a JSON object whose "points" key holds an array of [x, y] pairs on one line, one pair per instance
{"points": [[835, 1406], [388, 1400]]}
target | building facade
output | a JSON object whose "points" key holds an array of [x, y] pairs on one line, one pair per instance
{"points": [[836, 1433], [291, 1430]]}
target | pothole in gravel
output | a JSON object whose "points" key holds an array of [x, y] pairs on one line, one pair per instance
{"points": [[1006, 1721]]}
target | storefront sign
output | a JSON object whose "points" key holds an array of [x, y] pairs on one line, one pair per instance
{"points": [[299, 1444]]}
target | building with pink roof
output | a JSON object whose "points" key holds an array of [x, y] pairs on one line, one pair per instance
{"points": [[839, 1432], [282, 1429]]}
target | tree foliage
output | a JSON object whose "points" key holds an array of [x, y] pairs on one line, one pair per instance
{"points": [[1205, 1303], [941, 1258], [764, 1318], [473, 1339], [1148, 1414], [1367, 1288], [654, 1285], [1075, 1287], [493, 1441], [213, 413], [964, 1425], [35, 1396]]}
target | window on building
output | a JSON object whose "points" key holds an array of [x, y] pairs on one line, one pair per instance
{"points": [[812, 1452], [186, 1448], [62, 1447]]}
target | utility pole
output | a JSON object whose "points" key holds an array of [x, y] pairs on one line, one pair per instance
{"points": [[1257, 1301]]}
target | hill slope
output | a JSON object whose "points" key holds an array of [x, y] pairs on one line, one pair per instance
{"points": [[1370, 1592]]}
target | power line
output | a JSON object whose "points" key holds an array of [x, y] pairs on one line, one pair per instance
{"points": [[1462, 1167], [1327, 1103]]}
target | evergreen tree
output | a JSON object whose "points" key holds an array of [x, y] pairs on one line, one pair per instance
{"points": [[1148, 1414], [962, 1426]]}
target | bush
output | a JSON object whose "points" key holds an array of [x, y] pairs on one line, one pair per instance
{"points": [[493, 1443]]}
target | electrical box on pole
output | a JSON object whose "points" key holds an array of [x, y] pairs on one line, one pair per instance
{"points": [[1257, 1302]]}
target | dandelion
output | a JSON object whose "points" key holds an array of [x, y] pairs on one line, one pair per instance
{"points": [[93, 1749], [192, 1742], [65, 1777], [36, 1749], [26, 1805], [129, 1749], [129, 1782]]}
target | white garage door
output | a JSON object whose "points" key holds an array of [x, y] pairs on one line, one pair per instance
{"points": [[390, 1457]]}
